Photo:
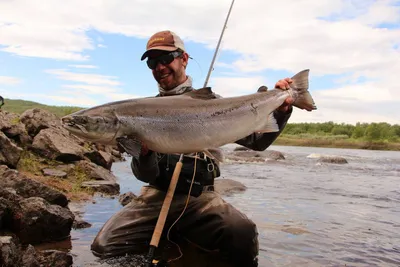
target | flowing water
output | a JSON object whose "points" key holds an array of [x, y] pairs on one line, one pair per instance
{"points": [[308, 213]]}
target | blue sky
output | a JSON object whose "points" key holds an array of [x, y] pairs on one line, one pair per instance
{"points": [[88, 53]]}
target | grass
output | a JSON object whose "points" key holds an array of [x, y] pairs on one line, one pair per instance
{"points": [[19, 106], [31, 166]]}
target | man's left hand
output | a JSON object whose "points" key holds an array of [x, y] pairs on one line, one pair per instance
{"points": [[283, 84]]}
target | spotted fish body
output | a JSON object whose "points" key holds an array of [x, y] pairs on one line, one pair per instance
{"points": [[192, 122]]}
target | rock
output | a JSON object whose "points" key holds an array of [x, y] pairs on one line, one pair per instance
{"points": [[80, 224], [126, 198], [273, 155], [66, 167], [26, 187], [333, 159], [228, 186], [58, 145], [244, 159], [96, 172], [29, 258], [247, 154], [100, 158], [107, 187], [54, 173], [242, 148], [37, 119], [55, 258], [42, 222], [9, 252], [11, 126], [242, 154], [10, 153]]}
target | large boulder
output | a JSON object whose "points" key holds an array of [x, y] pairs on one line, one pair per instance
{"points": [[26, 187], [9, 252], [10, 153], [42, 222], [12, 127], [57, 144], [96, 172], [12, 254], [100, 158], [37, 119], [243, 154]]}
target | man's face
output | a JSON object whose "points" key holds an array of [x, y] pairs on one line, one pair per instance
{"points": [[169, 75]]}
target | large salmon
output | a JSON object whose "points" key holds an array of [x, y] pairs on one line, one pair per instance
{"points": [[188, 123]]}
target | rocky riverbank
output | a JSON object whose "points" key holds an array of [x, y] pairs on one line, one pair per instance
{"points": [[42, 169]]}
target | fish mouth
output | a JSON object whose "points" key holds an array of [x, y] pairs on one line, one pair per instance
{"points": [[69, 123]]}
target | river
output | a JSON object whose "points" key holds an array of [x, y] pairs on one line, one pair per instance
{"points": [[308, 213]]}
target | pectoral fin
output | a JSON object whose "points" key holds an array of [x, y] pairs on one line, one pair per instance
{"points": [[131, 145], [215, 154], [271, 125]]}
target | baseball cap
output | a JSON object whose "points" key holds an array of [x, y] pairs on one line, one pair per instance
{"points": [[164, 40]]}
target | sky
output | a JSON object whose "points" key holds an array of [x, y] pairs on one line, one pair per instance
{"points": [[86, 53]]}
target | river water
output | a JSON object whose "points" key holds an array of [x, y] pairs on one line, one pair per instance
{"points": [[308, 213]]}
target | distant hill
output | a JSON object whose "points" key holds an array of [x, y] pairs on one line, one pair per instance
{"points": [[19, 106]]}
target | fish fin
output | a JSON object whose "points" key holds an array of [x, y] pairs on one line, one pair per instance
{"points": [[215, 153], [271, 126], [202, 93], [300, 84], [131, 145], [262, 88]]}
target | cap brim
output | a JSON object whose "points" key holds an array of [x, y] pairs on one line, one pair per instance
{"points": [[162, 48]]}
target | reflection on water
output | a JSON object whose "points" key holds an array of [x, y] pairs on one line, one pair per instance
{"points": [[308, 213]]}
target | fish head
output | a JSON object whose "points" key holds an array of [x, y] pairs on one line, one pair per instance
{"points": [[93, 128]]}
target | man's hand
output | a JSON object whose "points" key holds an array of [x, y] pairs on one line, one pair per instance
{"points": [[283, 84], [144, 150]]}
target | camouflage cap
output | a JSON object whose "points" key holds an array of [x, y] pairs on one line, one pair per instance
{"points": [[164, 40]]}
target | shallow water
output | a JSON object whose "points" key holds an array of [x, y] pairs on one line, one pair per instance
{"points": [[307, 213]]}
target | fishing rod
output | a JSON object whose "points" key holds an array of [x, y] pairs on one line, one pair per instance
{"points": [[175, 176]]}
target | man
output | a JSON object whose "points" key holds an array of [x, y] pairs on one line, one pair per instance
{"points": [[208, 221]]}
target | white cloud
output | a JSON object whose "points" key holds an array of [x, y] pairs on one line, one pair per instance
{"points": [[8, 80], [93, 89], [84, 66], [236, 86], [93, 79]]}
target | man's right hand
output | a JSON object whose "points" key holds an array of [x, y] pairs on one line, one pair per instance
{"points": [[144, 150]]}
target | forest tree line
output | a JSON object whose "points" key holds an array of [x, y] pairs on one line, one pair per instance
{"points": [[381, 131]]}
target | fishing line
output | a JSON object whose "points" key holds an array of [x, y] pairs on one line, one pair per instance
{"points": [[198, 65], [184, 209]]}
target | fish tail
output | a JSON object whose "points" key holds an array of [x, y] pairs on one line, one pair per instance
{"points": [[303, 99]]}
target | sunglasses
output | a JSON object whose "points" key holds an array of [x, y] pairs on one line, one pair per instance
{"points": [[164, 59]]}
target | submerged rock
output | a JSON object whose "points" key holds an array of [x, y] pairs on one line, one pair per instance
{"points": [[126, 198], [228, 186], [333, 159]]}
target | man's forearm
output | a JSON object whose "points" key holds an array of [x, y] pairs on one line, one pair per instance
{"points": [[260, 141], [145, 168]]}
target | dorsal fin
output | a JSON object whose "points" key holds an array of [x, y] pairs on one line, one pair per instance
{"points": [[202, 93], [262, 88]]}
